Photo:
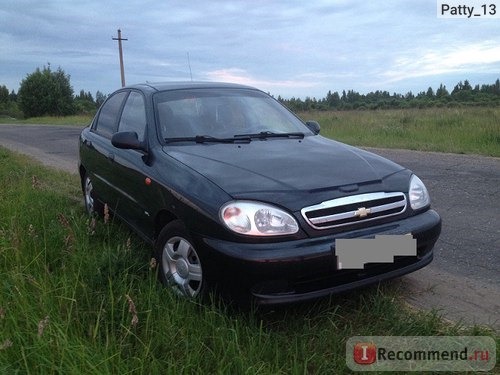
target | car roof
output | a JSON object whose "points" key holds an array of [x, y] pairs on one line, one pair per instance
{"points": [[164, 86]]}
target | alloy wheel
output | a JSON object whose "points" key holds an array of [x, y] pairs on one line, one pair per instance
{"points": [[181, 267]]}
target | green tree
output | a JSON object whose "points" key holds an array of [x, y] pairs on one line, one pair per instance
{"points": [[84, 103], [8, 104], [13, 96], [45, 92], [409, 96], [99, 98], [442, 92], [333, 100], [463, 92], [4, 94]]}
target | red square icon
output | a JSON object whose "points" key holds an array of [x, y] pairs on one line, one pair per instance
{"points": [[365, 353]]}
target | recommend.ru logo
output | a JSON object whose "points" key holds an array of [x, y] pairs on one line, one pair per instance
{"points": [[421, 353]]}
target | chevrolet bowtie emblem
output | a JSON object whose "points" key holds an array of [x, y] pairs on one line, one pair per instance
{"points": [[362, 212]]}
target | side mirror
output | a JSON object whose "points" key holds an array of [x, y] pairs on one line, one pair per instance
{"points": [[127, 140], [313, 126]]}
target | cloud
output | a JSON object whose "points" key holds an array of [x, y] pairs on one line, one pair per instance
{"points": [[475, 57], [241, 76], [287, 48]]}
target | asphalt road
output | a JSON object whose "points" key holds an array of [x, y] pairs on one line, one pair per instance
{"points": [[463, 282], [54, 146]]}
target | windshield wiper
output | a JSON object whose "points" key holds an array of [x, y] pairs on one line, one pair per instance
{"points": [[269, 134], [208, 138]]}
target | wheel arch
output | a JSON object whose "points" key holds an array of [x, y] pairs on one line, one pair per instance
{"points": [[163, 218]]}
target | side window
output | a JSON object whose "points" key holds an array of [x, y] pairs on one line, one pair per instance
{"points": [[134, 115], [108, 116]]}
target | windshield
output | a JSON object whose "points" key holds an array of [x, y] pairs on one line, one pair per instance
{"points": [[222, 113]]}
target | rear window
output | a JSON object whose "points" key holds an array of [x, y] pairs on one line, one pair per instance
{"points": [[107, 121]]}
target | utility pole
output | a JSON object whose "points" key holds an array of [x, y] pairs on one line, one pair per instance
{"points": [[119, 39]]}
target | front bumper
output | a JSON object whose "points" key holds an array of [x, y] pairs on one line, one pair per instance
{"points": [[293, 271]]}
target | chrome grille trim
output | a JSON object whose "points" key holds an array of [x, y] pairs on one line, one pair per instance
{"points": [[377, 203]]}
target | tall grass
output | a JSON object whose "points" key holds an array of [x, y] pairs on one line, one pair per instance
{"points": [[467, 130], [81, 296], [459, 130], [76, 120]]}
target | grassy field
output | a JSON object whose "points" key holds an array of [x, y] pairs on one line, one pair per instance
{"points": [[469, 130], [77, 120], [81, 297]]}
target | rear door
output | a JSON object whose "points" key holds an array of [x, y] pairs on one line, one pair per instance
{"points": [[98, 150]]}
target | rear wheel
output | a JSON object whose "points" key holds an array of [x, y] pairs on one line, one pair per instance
{"points": [[180, 266]]}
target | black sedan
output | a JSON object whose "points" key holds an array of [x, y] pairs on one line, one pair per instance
{"points": [[234, 190]]}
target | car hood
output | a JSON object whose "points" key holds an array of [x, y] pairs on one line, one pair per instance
{"points": [[308, 165]]}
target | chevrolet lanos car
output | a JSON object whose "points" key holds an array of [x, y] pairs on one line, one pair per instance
{"points": [[232, 189]]}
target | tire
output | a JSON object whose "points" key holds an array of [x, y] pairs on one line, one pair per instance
{"points": [[92, 205], [180, 266]]}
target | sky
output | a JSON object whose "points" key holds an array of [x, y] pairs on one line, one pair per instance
{"points": [[287, 48]]}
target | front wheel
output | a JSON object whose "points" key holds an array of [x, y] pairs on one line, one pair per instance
{"points": [[179, 263]]}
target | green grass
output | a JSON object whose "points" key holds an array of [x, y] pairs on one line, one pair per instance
{"points": [[465, 130], [78, 296], [470, 130], [77, 120]]}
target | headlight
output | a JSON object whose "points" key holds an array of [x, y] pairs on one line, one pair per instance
{"points": [[419, 197], [257, 219]]}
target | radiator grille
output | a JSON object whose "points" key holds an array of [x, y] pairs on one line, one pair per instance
{"points": [[354, 209]]}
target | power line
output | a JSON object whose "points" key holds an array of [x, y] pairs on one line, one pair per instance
{"points": [[122, 71]]}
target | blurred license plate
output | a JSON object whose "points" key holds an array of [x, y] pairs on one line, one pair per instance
{"points": [[354, 253]]}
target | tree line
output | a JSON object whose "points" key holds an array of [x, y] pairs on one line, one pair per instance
{"points": [[463, 94], [46, 92]]}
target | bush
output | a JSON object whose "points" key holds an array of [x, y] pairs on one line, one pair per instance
{"points": [[10, 109], [45, 92]]}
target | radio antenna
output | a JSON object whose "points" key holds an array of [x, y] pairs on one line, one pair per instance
{"points": [[189, 64]]}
